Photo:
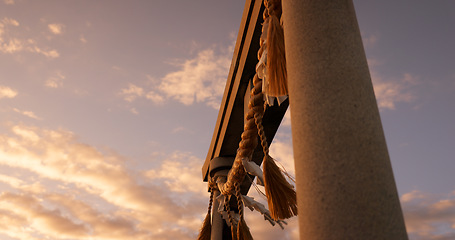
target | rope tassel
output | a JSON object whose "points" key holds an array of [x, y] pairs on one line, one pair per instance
{"points": [[281, 196], [243, 232], [231, 220], [206, 229], [276, 60]]}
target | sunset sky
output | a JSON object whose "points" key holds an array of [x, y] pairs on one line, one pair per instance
{"points": [[108, 109]]}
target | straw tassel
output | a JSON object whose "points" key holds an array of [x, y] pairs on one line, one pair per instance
{"points": [[206, 229], [276, 59], [231, 220], [243, 232], [281, 196]]}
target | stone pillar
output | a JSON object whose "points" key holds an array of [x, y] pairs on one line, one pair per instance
{"points": [[217, 220], [218, 170], [345, 183]]}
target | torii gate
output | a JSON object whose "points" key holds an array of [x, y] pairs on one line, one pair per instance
{"points": [[345, 184]]}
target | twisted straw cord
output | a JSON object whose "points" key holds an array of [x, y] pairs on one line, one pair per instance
{"points": [[231, 220], [209, 212], [239, 199], [249, 139]]}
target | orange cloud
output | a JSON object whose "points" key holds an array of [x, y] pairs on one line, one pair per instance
{"points": [[50, 222], [132, 92], [390, 92], [7, 92], [197, 80], [55, 81], [178, 175], [29, 114], [201, 79], [11, 44], [135, 207], [429, 216], [56, 28], [9, 2]]}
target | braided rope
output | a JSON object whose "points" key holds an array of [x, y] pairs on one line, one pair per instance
{"points": [[249, 138], [231, 220], [209, 212], [239, 200], [258, 119]]}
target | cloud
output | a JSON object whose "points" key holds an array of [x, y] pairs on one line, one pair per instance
{"points": [[429, 216], [155, 97], [370, 40], [390, 91], [83, 39], [56, 28], [286, 118], [55, 81], [48, 53], [15, 182], [11, 44], [182, 129], [62, 216], [14, 45], [85, 193], [281, 151], [26, 134], [410, 196], [8, 21], [132, 92], [201, 79], [7, 92], [91, 194], [49, 221], [262, 229], [393, 91], [177, 172], [134, 111]]}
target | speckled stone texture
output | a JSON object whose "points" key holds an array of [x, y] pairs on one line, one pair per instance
{"points": [[345, 183]]}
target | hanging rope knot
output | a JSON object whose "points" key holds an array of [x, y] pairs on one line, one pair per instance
{"points": [[273, 7], [212, 184]]}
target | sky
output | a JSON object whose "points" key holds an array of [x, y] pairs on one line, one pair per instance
{"points": [[107, 110]]}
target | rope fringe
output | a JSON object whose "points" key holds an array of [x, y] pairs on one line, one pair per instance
{"points": [[243, 232], [231, 220], [281, 196], [206, 229], [276, 59]]}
